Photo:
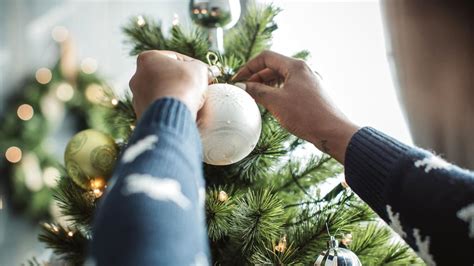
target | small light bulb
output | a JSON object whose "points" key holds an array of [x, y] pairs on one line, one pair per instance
{"points": [[55, 228], [175, 20], [141, 21], [70, 233], [223, 196], [114, 101]]}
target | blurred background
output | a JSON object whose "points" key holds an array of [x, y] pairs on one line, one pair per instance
{"points": [[346, 40]]}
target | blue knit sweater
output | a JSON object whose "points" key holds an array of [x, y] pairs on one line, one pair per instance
{"points": [[153, 211]]}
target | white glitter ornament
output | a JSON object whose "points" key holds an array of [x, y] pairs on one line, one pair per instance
{"points": [[229, 124]]}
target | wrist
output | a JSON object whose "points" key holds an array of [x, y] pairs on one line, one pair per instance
{"points": [[334, 140]]}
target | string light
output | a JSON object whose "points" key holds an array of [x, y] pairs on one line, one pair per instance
{"points": [[43, 75], [98, 185], [25, 112], [222, 197], [59, 33], [141, 21], [50, 176], [114, 102], [89, 65], [13, 154], [94, 93], [175, 21], [55, 228], [64, 92], [70, 233], [281, 247]]}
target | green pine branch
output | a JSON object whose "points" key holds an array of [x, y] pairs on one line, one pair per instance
{"points": [[69, 244], [219, 212], [76, 204], [257, 220], [144, 35], [253, 33]]}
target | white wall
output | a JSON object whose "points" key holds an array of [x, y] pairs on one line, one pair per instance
{"points": [[346, 40]]}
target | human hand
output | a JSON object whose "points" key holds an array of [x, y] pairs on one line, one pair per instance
{"points": [[162, 74], [300, 105]]}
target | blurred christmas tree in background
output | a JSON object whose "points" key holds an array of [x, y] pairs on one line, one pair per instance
{"points": [[265, 209], [57, 101]]}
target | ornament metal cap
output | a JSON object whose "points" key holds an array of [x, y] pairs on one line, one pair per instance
{"points": [[332, 243]]}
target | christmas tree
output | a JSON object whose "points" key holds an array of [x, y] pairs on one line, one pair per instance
{"points": [[65, 94], [265, 209]]}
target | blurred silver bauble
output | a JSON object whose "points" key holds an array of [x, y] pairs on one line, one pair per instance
{"points": [[229, 123], [215, 15], [336, 255]]}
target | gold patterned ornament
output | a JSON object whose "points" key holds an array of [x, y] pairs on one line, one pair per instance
{"points": [[90, 155]]}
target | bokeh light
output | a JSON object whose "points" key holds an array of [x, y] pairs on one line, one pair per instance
{"points": [[95, 93], [43, 75], [89, 65], [13, 154], [50, 176], [59, 33], [64, 92], [25, 112]]}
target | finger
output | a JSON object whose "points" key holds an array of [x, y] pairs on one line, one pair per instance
{"points": [[265, 76], [176, 56], [268, 59], [263, 94]]}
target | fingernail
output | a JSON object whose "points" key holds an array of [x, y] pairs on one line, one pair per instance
{"points": [[172, 56], [241, 85]]}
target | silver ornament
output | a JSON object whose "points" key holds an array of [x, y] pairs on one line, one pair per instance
{"points": [[215, 15], [229, 124], [337, 256]]}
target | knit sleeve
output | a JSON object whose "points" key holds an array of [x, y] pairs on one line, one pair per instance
{"points": [[153, 210], [426, 200]]}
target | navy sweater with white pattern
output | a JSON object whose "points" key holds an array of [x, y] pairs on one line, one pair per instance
{"points": [[426, 200]]}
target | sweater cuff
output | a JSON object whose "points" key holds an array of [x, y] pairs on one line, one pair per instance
{"points": [[370, 162], [169, 113]]}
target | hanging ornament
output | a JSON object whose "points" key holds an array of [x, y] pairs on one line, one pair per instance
{"points": [[90, 155], [216, 16], [337, 256], [229, 124]]}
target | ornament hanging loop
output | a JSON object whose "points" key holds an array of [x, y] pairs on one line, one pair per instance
{"points": [[215, 67]]}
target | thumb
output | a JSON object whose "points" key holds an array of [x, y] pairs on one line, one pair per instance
{"points": [[263, 94]]}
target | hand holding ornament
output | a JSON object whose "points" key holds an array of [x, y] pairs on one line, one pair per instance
{"points": [[300, 105], [163, 74]]}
